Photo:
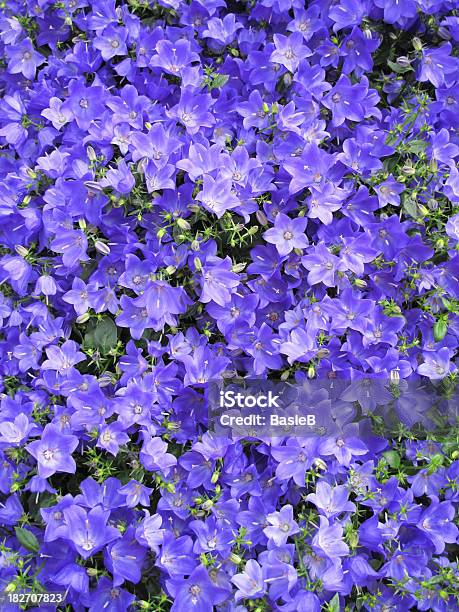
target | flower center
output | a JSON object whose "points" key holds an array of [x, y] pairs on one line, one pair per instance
{"points": [[48, 454], [288, 235]]}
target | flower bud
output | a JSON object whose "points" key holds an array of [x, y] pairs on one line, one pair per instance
{"points": [[320, 464], [91, 153], [197, 263], [261, 217], [215, 476], [236, 559], [82, 318], [102, 247], [322, 353], [82, 224], [287, 78], [238, 267], [403, 61], [21, 250], [161, 232], [10, 588], [207, 505], [170, 270], [92, 571], [183, 224], [417, 44], [444, 33]]}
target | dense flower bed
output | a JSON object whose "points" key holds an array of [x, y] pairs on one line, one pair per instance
{"points": [[204, 189]]}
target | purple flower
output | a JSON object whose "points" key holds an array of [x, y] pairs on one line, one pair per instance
{"points": [[197, 592], [437, 522], [63, 358], [217, 196], [290, 50], [436, 64], [345, 101], [437, 365], [173, 57], [88, 531], [388, 192], [331, 500], [322, 266], [111, 42], [287, 234], [24, 59], [53, 451], [73, 245], [328, 539], [282, 526], [250, 583], [218, 281]]}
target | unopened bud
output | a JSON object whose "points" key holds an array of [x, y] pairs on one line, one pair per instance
{"points": [[207, 505], [170, 270], [432, 204], [102, 247], [183, 224], [10, 588], [21, 250], [236, 559], [417, 44], [261, 217], [265, 107], [320, 464], [238, 267], [195, 245], [161, 232], [403, 61], [322, 353], [91, 154], [214, 478], [105, 380], [197, 263], [408, 170], [287, 78], [82, 318], [311, 371], [444, 33], [359, 282], [82, 224], [252, 230]]}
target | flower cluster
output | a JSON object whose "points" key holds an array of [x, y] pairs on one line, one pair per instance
{"points": [[204, 189]]}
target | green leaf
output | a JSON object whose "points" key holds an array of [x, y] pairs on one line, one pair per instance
{"points": [[410, 207], [219, 80], [439, 330], [103, 336], [392, 458], [333, 604], [27, 539], [416, 146], [397, 68]]}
